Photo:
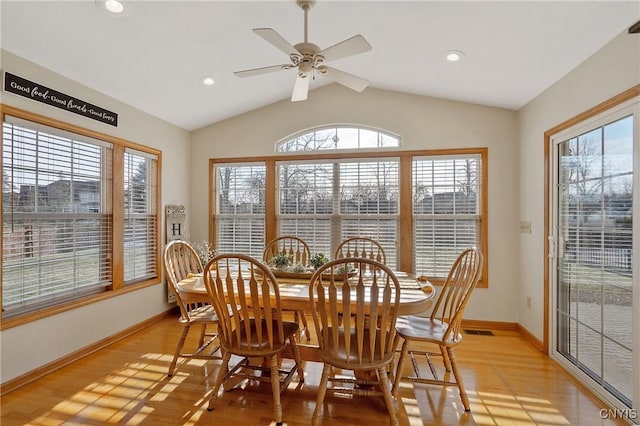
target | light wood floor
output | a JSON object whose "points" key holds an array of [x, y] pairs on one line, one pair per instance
{"points": [[509, 383]]}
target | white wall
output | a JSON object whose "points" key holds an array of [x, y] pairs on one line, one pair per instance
{"points": [[611, 70], [422, 123], [32, 345]]}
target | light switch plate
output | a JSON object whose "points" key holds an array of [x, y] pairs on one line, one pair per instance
{"points": [[525, 227]]}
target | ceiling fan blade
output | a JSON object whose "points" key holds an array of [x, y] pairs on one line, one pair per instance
{"points": [[348, 80], [301, 87], [270, 35], [263, 70], [349, 47]]}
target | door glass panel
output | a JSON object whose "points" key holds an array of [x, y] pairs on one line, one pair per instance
{"points": [[594, 276]]}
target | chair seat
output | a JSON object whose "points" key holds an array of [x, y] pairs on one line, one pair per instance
{"points": [[245, 345], [425, 329], [339, 357]]}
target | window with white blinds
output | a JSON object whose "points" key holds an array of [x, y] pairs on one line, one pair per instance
{"points": [[140, 220], [326, 202], [306, 203], [59, 240], [369, 203], [240, 208], [56, 241], [446, 210]]}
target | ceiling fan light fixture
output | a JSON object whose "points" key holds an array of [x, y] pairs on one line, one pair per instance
{"points": [[454, 55]]}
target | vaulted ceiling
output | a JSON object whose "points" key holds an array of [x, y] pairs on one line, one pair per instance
{"points": [[154, 55]]}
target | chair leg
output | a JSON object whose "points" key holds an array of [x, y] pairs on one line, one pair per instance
{"points": [[456, 374], [203, 331], [322, 390], [222, 372], [386, 391], [403, 355], [297, 359], [275, 388], [183, 337], [445, 359], [305, 325]]}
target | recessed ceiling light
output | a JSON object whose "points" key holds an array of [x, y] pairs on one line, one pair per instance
{"points": [[207, 80], [454, 55], [114, 6]]}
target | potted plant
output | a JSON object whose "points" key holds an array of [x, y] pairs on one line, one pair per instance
{"points": [[280, 261], [318, 260]]}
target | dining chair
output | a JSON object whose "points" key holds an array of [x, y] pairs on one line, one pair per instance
{"points": [[363, 247], [299, 253], [294, 247], [355, 317], [180, 259], [442, 327], [245, 295]]}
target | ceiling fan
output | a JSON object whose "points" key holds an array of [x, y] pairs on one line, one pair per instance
{"points": [[310, 60]]}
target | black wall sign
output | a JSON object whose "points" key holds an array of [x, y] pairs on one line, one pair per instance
{"points": [[38, 92]]}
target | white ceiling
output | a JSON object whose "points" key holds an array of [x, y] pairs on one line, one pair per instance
{"points": [[153, 57]]}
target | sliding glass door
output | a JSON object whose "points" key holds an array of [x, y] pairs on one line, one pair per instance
{"points": [[593, 253]]}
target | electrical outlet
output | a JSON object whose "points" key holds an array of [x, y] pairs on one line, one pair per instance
{"points": [[528, 302]]}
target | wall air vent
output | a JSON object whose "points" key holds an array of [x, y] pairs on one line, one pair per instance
{"points": [[479, 332]]}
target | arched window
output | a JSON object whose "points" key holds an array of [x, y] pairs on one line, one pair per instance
{"points": [[338, 137]]}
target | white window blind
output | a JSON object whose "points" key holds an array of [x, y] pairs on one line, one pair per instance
{"points": [[140, 227], [56, 218], [325, 203], [240, 208], [446, 210], [306, 203], [369, 203]]}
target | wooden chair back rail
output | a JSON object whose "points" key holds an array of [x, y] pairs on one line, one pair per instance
{"points": [[336, 308], [249, 299], [180, 260], [296, 248], [361, 247]]}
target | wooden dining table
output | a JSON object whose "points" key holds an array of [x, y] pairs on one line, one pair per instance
{"points": [[415, 297]]}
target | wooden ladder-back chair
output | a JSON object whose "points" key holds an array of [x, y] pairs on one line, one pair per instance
{"points": [[294, 247], [363, 247], [245, 295], [298, 251], [180, 259], [355, 318], [443, 326]]}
